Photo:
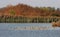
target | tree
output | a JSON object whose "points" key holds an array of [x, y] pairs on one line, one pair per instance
{"points": [[58, 9], [55, 15], [12, 12]]}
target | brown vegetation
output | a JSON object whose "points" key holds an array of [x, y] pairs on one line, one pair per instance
{"points": [[56, 24], [25, 10]]}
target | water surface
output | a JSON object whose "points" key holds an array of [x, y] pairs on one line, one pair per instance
{"points": [[5, 32]]}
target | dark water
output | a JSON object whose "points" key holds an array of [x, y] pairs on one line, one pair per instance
{"points": [[5, 32]]}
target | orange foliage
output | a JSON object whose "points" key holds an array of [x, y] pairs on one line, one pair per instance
{"points": [[25, 10]]}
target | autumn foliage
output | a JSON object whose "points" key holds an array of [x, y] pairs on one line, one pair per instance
{"points": [[25, 10]]}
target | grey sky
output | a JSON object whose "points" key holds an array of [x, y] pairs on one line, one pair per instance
{"points": [[39, 3]]}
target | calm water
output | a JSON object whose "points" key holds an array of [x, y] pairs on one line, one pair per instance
{"points": [[5, 32]]}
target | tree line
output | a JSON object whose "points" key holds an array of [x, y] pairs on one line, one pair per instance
{"points": [[19, 12]]}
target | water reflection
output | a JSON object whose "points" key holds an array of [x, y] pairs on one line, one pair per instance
{"points": [[27, 26]]}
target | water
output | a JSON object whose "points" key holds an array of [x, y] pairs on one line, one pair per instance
{"points": [[8, 25], [5, 32]]}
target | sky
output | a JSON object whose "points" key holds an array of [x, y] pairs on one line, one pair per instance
{"points": [[34, 3]]}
